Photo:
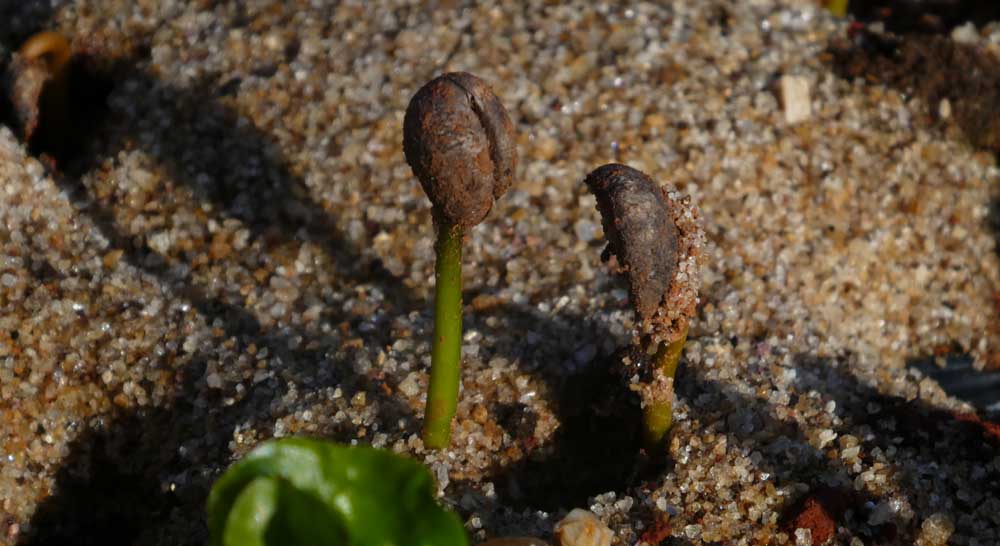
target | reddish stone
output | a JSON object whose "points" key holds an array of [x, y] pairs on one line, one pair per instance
{"points": [[658, 531], [815, 518], [989, 429], [819, 512]]}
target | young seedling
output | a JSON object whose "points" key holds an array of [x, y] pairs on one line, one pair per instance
{"points": [[459, 141], [37, 84], [657, 242], [305, 492]]}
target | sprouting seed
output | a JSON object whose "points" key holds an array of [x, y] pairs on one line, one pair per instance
{"points": [[657, 242], [459, 141]]}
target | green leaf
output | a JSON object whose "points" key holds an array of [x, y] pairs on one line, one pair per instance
{"points": [[299, 491], [272, 511]]}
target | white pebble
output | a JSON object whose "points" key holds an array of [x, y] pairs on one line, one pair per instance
{"points": [[965, 34], [213, 381], [582, 528], [795, 98], [586, 230], [411, 385]]}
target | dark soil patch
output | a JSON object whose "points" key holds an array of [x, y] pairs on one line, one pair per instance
{"points": [[932, 16], [933, 68], [60, 140], [107, 494], [596, 448]]}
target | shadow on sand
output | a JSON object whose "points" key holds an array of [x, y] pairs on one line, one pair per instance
{"points": [[114, 487]]}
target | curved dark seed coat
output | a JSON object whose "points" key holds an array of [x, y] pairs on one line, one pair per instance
{"points": [[640, 231], [459, 141]]}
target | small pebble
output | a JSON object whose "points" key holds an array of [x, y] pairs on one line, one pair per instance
{"points": [[795, 98], [582, 528], [936, 530], [965, 34]]}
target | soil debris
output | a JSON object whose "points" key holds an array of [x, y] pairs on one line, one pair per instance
{"points": [[939, 70]]}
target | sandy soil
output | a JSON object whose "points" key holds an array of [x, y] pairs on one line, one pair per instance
{"points": [[230, 247]]}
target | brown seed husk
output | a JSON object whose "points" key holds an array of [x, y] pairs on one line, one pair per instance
{"points": [[657, 240], [459, 141]]}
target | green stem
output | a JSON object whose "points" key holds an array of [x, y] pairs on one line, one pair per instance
{"points": [[658, 415], [837, 7], [446, 351]]}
